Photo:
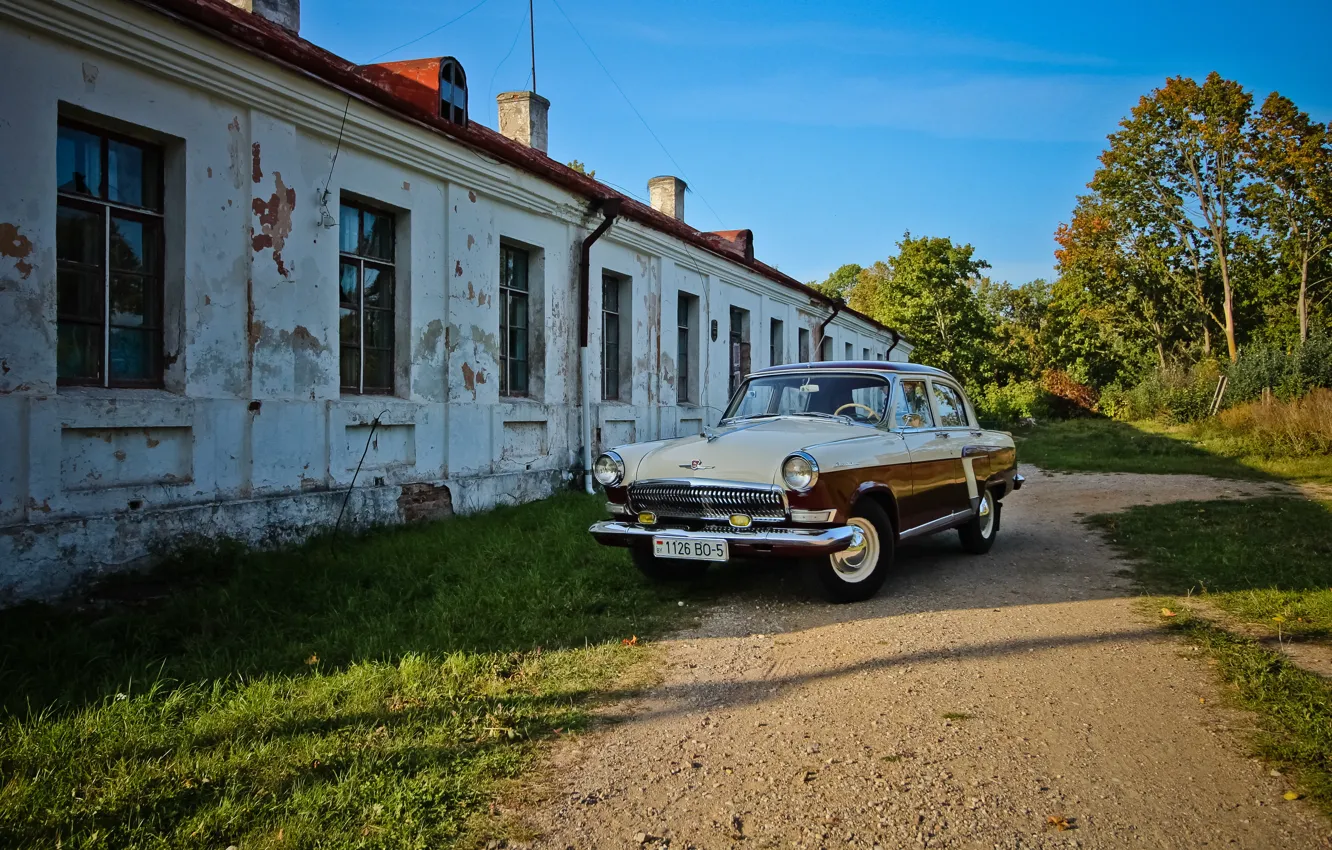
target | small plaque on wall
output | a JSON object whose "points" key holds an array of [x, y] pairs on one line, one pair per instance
{"points": [[714, 330]]}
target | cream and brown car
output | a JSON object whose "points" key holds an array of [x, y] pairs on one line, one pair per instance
{"points": [[834, 462]]}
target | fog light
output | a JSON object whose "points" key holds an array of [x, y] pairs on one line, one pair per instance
{"points": [[741, 521], [647, 518], [616, 510]]}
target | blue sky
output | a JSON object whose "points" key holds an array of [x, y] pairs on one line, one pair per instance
{"points": [[831, 128]]}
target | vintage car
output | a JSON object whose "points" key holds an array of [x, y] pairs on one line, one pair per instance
{"points": [[834, 462]]}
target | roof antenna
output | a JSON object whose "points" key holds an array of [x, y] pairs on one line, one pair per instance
{"points": [[531, 31]]}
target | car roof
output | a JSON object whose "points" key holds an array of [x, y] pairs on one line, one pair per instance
{"points": [[892, 366]]}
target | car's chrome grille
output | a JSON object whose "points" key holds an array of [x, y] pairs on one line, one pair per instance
{"points": [[697, 500]]}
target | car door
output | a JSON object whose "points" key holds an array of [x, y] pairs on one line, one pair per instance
{"points": [[930, 452], [953, 430]]}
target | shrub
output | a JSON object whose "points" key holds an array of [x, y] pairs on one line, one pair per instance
{"points": [[1288, 375], [1301, 427], [1009, 404], [1173, 394]]}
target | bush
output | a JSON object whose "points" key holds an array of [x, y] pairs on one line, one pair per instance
{"points": [[1067, 397], [1002, 406], [1172, 394], [1301, 427], [1288, 375]]}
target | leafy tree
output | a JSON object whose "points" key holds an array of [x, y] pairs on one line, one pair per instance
{"points": [[581, 169], [839, 283], [1175, 166], [928, 291], [1291, 157]]}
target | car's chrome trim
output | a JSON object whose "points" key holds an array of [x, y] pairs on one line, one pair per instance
{"points": [[1018, 481], [954, 519], [722, 511], [795, 541]]}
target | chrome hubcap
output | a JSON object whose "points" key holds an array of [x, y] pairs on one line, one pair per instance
{"points": [[986, 513], [857, 561]]}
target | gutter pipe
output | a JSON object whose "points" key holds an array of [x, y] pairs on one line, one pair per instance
{"points": [[610, 208], [837, 305]]}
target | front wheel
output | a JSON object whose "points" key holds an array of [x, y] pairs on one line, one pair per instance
{"points": [[666, 569], [978, 534], [856, 573]]}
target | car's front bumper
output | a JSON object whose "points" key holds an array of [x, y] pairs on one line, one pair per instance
{"points": [[782, 541]]}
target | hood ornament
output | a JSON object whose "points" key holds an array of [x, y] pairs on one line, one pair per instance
{"points": [[695, 464]]}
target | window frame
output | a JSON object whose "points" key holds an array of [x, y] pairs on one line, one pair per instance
{"points": [[962, 399], [508, 293], [776, 332], [804, 345], [360, 261], [898, 389], [106, 209], [684, 304], [610, 366]]}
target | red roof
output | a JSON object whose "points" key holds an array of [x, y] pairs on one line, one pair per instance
{"points": [[373, 85]]}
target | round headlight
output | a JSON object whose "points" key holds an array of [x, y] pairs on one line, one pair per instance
{"points": [[609, 469], [799, 471]]}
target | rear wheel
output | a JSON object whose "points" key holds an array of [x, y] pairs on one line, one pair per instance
{"points": [[666, 569], [857, 573], [978, 534]]}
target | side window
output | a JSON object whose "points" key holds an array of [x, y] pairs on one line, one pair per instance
{"points": [[513, 305], [952, 412], [366, 299], [913, 406]]}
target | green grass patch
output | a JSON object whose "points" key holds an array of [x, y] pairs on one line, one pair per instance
{"points": [[1294, 706], [1257, 559], [366, 692], [1107, 445]]}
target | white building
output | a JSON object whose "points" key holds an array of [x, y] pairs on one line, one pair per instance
{"points": [[224, 252]]}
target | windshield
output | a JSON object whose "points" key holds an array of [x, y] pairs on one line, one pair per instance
{"points": [[862, 398]]}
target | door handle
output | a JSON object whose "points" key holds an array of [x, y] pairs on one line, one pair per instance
{"points": [[942, 435]]}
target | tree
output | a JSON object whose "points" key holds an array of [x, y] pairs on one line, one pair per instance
{"points": [[839, 283], [581, 169], [1291, 157], [928, 292], [1176, 165]]}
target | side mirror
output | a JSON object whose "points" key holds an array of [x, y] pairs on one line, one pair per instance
{"points": [[912, 420]]}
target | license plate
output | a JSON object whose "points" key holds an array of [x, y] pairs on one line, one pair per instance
{"points": [[690, 549]]}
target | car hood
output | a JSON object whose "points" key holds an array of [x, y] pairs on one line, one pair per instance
{"points": [[745, 451]]}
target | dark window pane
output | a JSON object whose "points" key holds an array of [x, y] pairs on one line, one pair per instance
{"points": [[134, 301], [610, 295], [134, 355], [513, 268], [79, 162], [349, 326], [518, 343], [349, 293], [379, 328], [517, 317], [378, 234], [78, 352], [378, 370], [79, 294], [133, 175], [378, 287], [133, 245], [517, 377], [79, 236], [350, 368], [349, 229]]}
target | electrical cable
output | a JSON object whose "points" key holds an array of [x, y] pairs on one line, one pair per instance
{"points": [[491, 89], [653, 134], [432, 32]]}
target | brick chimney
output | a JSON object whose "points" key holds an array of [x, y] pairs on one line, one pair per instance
{"points": [[284, 13], [667, 196], [522, 117]]}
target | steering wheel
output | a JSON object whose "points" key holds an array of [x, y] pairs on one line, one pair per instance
{"points": [[871, 411]]}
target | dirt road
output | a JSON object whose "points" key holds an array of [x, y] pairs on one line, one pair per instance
{"points": [[968, 704]]}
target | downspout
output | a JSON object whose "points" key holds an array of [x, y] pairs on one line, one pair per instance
{"points": [[837, 305], [897, 337], [610, 208]]}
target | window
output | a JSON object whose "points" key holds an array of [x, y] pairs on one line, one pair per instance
{"points": [[366, 293], [802, 343], [862, 398], [514, 291], [865, 355], [610, 337], [826, 349], [739, 339], [913, 405], [952, 412], [452, 91], [775, 342], [850, 351], [108, 259], [686, 316]]}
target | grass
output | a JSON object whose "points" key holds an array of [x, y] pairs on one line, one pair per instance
{"points": [[366, 692], [1294, 706], [1106, 445], [1257, 559]]}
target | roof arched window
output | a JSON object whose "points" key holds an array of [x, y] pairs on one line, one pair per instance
{"points": [[452, 91]]}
